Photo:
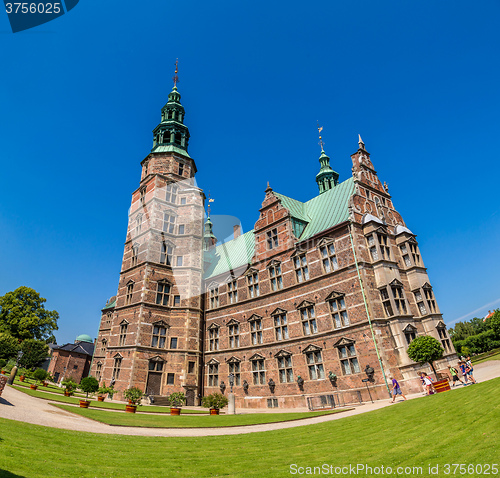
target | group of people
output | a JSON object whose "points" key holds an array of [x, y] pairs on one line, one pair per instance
{"points": [[465, 367]]}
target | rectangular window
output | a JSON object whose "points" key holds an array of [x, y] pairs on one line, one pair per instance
{"points": [[179, 261], [138, 224], [410, 335], [253, 284], [166, 254], [170, 379], [213, 339], [128, 297], [315, 365], [272, 403], [181, 168], [98, 372], [385, 250], [430, 300], [159, 336], [162, 293], [386, 302], [256, 331], [155, 366], [214, 297], [213, 375], [183, 200], [135, 254], [123, 333], [168, 223], [276, 279], [143, 195], [177, 300], [415, 254], [285, 371], [234, 368], [399, 300], [191, 367], [171, 193], [181, 228], [281, 326], [339, 312], [420, 302], [173, 343], [258, 372], [301, 269], [348, 360], [329, 257], [272, 239], [234, 336], [116, 367], [232, 292], [308, 320]]}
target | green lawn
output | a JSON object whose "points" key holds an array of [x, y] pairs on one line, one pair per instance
{"points": [[491, 355], [143, 420], [460, 426], [51, 388], [104, 405]]}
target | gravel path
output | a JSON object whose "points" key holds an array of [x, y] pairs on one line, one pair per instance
{"points": [[19, 406]]}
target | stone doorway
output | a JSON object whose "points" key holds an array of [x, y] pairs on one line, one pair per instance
{"points": [[153, 386], [190, 396]]}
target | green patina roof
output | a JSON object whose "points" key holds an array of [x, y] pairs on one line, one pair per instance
{"points": [[170, 148], [110, 305], [84, 338], [232, 254], [320, 213]]}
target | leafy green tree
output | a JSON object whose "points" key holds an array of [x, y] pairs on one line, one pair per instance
{"points": [[9, 346], [23, 315], [425, 349], [34, 351], [89, 385], [494, 322]]}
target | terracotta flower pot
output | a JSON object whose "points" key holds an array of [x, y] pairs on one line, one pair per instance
{"points": [[3, 371], [100, 398], [84, 403], [214, 411], [130, 408], [21, 378], [175, 411], [130, 402], [67, 394], [33, 386], [45, 384]]}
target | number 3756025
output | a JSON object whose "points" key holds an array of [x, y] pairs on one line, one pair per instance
{"points": [[38, 7]]}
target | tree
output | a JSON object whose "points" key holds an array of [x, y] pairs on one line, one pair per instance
{"points": [[9, 346], [23, 315], [425, 349], [34, 351], [89, 385], [494, 322]]}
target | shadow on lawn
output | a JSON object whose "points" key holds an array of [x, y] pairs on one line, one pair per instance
{"points": [[8, 474], [5, 402]]}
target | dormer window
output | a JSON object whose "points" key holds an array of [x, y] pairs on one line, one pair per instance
{"points": [[272, 239]]}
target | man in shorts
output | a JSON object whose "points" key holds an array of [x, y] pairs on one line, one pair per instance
{"points": [[396, 390], [454, 375]]}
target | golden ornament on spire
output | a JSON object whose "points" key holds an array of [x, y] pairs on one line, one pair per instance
{"points": [[320, 129], [175, 77]]}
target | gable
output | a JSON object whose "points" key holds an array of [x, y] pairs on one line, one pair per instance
{"points": [[311, 348], [283, 353], [334, 295], [278, 311], [304, 304], [344, 341], [256, 356]]}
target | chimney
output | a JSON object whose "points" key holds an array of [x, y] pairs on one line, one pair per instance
{"points": [[237, 231]]}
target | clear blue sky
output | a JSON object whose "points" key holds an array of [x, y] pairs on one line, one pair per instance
{"points": [[81, 94]]}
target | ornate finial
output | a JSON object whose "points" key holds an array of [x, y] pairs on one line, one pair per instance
{"points": [[386, 187], [210, 200], [268, 189], [175, 77], [320, 128]]}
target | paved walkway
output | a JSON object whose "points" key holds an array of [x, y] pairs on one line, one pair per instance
{"points": [[19, 406]]}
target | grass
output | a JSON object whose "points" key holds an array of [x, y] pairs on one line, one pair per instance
{"points": [[96, 404], [491, 355], [51, 388], [154, 421], [460, 426]]}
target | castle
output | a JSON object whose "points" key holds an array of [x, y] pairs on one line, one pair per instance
{"points": [[318, 303]]}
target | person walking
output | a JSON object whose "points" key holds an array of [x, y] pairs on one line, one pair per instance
{"points": [[396, 389], [428, 383], [469, 369], [454, 375], [461, 366]]}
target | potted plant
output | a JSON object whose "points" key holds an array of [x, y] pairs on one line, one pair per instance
{"points": [[176, 399], [134, 396], [103, 391], [88, 385], [215, 402], [23, 374], [39, 375], [69, 386]]}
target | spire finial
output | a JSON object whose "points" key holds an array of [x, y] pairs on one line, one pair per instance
{"points": [[360, 142], [210, 200], [320, 128], [175, 77]]}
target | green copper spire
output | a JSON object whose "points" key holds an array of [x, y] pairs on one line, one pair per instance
{"points": [[327, 178], [209, 239], [172, 131]]}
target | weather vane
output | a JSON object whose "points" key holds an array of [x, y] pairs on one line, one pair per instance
{"points": [[175, 77], [320, 128], [210, 200]]}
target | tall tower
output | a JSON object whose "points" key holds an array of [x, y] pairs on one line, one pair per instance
{"points": [[150, 336]]}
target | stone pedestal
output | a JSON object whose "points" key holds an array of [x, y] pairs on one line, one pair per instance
{"points": [[12, 376], [3, 381], [231, 408]]}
